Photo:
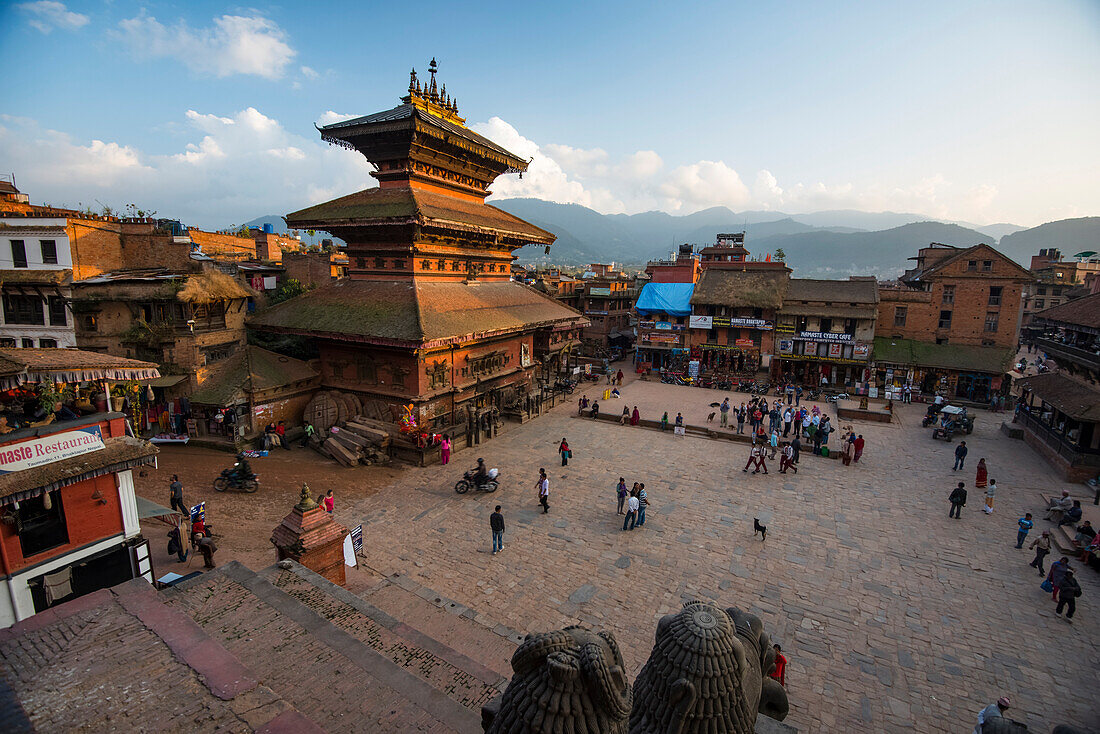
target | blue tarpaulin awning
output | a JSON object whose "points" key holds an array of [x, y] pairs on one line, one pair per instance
{"points": [[671, 298]]}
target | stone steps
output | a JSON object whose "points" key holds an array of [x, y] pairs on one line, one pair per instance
{"points": [[328, 656]]}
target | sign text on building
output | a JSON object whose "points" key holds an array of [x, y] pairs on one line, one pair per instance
{"points": [[46, 450], [826, 336]]}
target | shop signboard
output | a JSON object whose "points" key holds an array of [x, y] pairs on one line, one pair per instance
{"points": [[662, 338], [700, 322], [784, 328], [646, 324], [595, 313], [861, 351], [599, 292], [809, 349], [826, 336], [54, 447], [663, 326], [836, 350], [786, 346], [745, 343]]}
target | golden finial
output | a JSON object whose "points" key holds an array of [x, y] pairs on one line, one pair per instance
{"points": [[433, 90], [413, 83], [305, 502]]}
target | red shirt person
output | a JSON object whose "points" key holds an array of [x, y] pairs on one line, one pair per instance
{"points": [[780, 671]]}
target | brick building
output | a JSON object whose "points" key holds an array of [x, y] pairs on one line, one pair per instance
{"points": [[683, 267], [607, 299], [185, 321], [69, 515], [429, 315], [951, 324], [1060, 410], [824, 332], [315, 268], [1056, 281]]}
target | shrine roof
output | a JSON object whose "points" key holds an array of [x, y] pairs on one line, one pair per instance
{"points": [[410, 313], [250, 370], [409, 111], [393, 206]]}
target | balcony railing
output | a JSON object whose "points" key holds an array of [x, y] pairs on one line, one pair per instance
{"points": [[1079, 356], [1068, 451]]}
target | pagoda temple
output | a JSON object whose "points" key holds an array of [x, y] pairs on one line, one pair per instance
{"points": [[429, 314]]}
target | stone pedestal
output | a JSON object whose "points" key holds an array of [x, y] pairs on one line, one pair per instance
{"points": [[311, 536]]}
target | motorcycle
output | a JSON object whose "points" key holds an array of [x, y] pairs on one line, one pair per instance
{"points": [[746, 386], [464, 485], [839, 396], [228, 481], [566, 386]]}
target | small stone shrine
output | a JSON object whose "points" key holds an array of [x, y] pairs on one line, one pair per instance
{"points": [[310, 536]]}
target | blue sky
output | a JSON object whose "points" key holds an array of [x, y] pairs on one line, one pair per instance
{"points": [[981, 111]]}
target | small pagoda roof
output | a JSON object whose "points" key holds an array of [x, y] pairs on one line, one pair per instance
{"points": [[411, 313], [408, 111], [388, 206]]}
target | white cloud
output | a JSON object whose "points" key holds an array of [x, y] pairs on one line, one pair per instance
{"points": [[49, 14], [234, 44], [309, 73], [233, 168], [329, 117]]}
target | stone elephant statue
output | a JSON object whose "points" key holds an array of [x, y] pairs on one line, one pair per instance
{"points": [[707, 674]]}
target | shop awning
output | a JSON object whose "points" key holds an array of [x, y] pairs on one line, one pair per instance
{"points": [[148, 508], [20, 366]]}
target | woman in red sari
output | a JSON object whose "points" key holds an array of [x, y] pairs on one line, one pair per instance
{"points": [[634, 417], [981, 479]]}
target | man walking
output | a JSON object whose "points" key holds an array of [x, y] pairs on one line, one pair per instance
{"points": [[643, 500], [725, 410], [496, 524], [796, 449], [958, 499], [1042, 550], [787, 416], [544, 491], [1026, 525], [1067, 595], [786, 460], [175, 492], [1057, 575], [773, 443], [631, 511], [960, 455]]}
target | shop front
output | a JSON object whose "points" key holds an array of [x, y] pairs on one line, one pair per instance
{"points": [[822, 360], [956, 371]]}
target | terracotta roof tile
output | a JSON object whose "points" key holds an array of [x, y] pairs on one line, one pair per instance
{"points": [[1080, 311], [408, 313], [1073, 397], [117, 454], [250, 369], [392, 206], [832, 291]]}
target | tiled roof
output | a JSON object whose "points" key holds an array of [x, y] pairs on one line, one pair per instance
{"points": [[408, 313], [407, 111], [1081, 312], [116, 455], [1073, 397], [250, 370], [832, 291], [395, 206], [36, 277], [741, 288], [961, 357], [967, 252]]}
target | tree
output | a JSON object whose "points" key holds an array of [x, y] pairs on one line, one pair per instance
{"points": [[311, 233], [290, 288], [244, 231], [131, 210], [780, 255]]}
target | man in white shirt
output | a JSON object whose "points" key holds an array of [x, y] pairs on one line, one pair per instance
{"points": [[788, 416], [992, 711], [544, 491], [632, 505]]}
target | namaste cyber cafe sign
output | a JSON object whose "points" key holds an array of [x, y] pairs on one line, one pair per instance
{"points": [[47, 450]]}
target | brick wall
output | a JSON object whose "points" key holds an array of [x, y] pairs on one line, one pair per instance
{"points": [[309, 268], [969, 308], [223, 246]]}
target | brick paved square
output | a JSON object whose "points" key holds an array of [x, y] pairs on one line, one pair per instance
{"points": [[891, 613]]}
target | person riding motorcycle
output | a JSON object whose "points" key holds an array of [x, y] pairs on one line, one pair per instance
{"points": [[480, 475], [241, 471]]}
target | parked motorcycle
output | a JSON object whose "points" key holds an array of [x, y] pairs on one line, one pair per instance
{"points": [[464, 485], [566, 386], [227, 480]]}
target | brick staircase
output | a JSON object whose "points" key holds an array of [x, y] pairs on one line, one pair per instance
{"points": [[339, 659]]}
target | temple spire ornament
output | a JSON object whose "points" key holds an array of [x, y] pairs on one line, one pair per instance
{"points": [[414, 85], [433, 90]]}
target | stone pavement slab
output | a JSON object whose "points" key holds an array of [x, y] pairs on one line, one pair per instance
{"points": [[892, 615]]}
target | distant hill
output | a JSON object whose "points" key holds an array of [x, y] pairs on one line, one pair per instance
{"points": [[1068, 235], [824, 254], [830, 248]]}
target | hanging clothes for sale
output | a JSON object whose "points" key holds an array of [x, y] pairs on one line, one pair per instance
{"points": [[58, 585]]}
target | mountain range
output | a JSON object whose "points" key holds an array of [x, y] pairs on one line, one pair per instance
{"points": [[827, 244]]}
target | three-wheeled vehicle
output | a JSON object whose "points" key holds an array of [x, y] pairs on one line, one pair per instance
{"points": [[954, 421]]}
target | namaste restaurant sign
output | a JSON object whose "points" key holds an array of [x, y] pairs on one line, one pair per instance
{"points": [[46, 450]]}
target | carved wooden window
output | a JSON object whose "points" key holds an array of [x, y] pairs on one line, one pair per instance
{"points": [[441, 264], [399, 264], [425, 264], [379, 262]]}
